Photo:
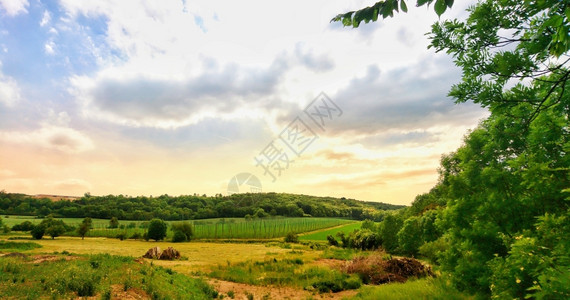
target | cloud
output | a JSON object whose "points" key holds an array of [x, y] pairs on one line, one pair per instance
{"points": [[403, 100], [317, 63], [143, 100], [45, 19], [14, 7], [59, 138], [9, 90], [73, 184]]}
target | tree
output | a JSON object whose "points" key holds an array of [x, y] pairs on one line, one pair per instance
{"points": [[410, 236], [38, 231], [388, 230], [156, 229], [114, 222], [55, 230], [84, 227]]}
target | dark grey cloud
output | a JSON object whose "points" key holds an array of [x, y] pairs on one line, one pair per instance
{"points": [[406, 99], [143, 98]]}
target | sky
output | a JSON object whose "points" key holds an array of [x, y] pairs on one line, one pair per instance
{"points": [[181, 97]]}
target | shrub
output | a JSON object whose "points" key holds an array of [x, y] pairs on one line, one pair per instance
{"points": [[179, 237], [332, 241], [184, 230], [24, 226], [291, 237]]}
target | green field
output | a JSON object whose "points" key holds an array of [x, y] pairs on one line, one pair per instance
{"points": [[224, 228], [321, 235]]}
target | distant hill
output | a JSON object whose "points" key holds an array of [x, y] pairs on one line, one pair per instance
{"points": [[192, 206]]}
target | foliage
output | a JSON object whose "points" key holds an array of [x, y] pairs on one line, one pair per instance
{"points": [[331, 240], [291, 237], [157, 229], [388, 230], [513, 168], [410, 236], [188, 207], [386, 9], [286, 272], [21, 246], [183, 232], [364, 239], [114, 222], [65, 279], [24, 226], [425, 288], [50, 226], [84, 227]]}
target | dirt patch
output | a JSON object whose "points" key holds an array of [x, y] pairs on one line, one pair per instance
{"points": [[118, 292], [241, 291], [332, 263], [14, 254], [38, 259]]}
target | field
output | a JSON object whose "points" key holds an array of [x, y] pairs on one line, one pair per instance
{"points": [[228, 228], [107, 269], [321, 235], [232, 259]]}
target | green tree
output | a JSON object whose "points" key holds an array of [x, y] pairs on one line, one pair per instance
{"points": [[114, 222], [38, 231], [84, 227], [157, 229], [410, 236], [388, 230]]}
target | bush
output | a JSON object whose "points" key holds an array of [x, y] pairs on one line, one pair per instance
{"points": [[24, 226], [184, 230], [291, 237], [332, 241], [433, 250], [156, 229], [121, 236], [179, 237], [136, 235]]}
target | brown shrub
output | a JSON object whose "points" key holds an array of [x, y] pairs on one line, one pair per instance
{"points": [[375, 270]]}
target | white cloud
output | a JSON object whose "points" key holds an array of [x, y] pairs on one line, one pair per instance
{"points": [[45, 19], [49, 48], [9, 90], [14, 7]]}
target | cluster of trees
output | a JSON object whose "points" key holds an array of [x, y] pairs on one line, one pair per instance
{"points": [[187, 207], [498, 220]]}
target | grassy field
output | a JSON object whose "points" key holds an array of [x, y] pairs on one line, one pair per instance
{"points": [[321, 235], [239, 269], [229, 228]]}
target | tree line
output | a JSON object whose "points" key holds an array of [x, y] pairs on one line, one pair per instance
{"points": [[187, 207]]}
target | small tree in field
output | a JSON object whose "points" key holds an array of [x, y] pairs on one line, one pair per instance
{"points": [[183, 232], [114, 222], [84, 227], [156, 229]]}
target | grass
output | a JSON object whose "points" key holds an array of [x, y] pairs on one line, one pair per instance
{"points": [[426, 288], [321, 235], [196, 254], [18, 246], [221, 228], [286, 272], [93, 275]]}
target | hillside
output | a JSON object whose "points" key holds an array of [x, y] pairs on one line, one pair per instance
{"points": [[193, 206]]}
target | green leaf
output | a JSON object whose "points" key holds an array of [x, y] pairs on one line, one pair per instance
{"points": [[449, 3], [422, 2], [440, 7], [403, 6]]}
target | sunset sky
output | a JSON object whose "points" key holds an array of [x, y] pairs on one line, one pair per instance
{"points": [[177, 97]]}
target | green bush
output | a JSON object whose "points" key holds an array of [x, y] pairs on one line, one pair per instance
{"points": [[291, 237]]}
